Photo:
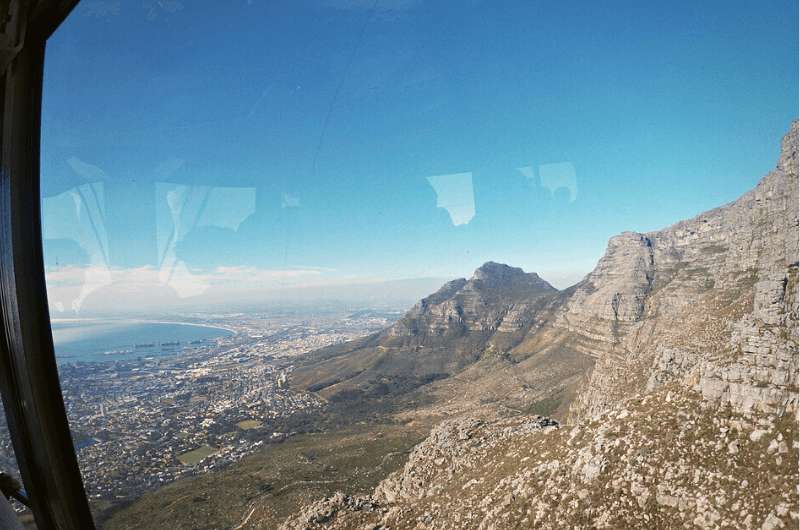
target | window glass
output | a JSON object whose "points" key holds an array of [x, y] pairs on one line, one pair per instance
{"points": [[233, 190]]}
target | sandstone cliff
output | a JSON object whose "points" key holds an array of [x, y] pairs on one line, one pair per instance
{"points": [[712, 299], [496, 298], [439, 337]]}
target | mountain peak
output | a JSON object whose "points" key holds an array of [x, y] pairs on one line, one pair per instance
{"points": [[508, 280], [492, 269]]}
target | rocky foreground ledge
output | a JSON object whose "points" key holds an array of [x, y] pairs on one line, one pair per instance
{"points": [[667, 460]]}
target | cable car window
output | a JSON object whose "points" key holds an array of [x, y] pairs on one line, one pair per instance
{"points": [[284, 242]]}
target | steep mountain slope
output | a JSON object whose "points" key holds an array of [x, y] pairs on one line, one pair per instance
{"points": [[667, 460], [440, 336], [708, 297], [687, 417]]}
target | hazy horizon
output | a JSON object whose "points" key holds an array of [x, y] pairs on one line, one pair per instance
{"points": [[338, 143], [135, 299]]}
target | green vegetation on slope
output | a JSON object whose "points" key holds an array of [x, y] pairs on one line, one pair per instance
{"points": [[272, 484]]}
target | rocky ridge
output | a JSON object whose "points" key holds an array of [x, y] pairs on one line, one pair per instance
{"points": [[687, 417], [441, 336], [712, 299], [496, 298]]}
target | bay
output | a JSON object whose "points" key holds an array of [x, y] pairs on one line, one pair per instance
{"points": [[108, 340]]}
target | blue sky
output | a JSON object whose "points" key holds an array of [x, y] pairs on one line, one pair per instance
{"points": [[190, 149]]}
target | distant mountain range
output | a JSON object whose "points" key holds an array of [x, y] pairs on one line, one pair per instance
{"points": [[675, 362]]}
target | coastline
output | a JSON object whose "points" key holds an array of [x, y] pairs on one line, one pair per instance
{"points": [[76, 339], [222, 327]]}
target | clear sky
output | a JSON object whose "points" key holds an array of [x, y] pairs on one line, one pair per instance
{"points": [[221, 148]]}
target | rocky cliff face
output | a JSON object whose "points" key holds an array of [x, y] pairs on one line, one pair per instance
{"points": [[440, 336], [712, 299], [497, 297], [687, 417]]}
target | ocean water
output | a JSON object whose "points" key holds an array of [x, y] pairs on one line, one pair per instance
{"points": [[107, 340]]}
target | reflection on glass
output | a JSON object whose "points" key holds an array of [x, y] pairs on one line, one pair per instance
{"points": [[454, 194], [283, 240]]}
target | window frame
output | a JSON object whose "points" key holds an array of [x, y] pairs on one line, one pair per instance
{"points": [[29, 383]]}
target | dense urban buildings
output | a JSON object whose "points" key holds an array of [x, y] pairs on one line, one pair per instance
{"points": [[140, 423]]}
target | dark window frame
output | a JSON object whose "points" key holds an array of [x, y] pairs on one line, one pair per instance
{"points": [[29, 381]]}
